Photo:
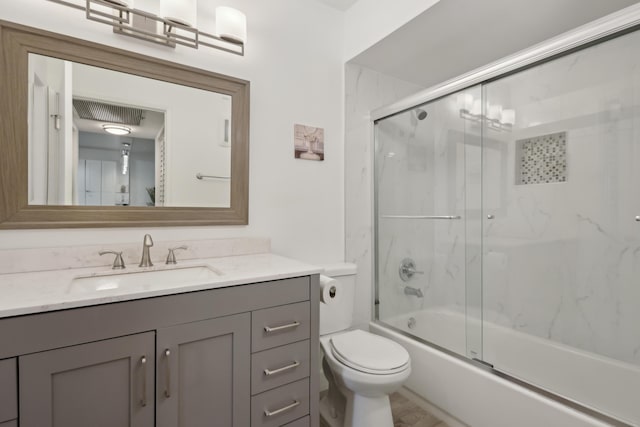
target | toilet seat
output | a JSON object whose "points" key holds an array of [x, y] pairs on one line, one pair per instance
{"points": [[369, 353]]}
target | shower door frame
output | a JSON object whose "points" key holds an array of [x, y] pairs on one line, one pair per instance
{"points": [[611, 26]]}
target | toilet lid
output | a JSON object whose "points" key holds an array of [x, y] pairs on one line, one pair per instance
{"points": [[369, 353]]}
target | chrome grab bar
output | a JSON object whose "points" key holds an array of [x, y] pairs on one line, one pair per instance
{"points": [[201, 176], [269, 329], [269, 413], [422, 216], [269, 372]]}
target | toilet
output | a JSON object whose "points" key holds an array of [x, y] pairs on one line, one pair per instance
{"points": [[362, 369]]}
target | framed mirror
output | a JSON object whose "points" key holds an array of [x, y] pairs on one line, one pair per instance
{"points": [[94, 136]]}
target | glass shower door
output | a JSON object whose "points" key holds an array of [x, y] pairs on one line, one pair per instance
{"points": [[561, 276], [427, 161]]}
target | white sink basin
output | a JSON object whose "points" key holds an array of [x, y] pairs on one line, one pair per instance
{"points": [[145, 279]]}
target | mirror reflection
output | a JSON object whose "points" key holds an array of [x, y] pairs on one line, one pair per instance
{"points": [[99, 137]]}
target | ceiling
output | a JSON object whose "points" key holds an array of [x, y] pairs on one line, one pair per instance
{"points": [[457, 36], [339, 4], [149, 127]]}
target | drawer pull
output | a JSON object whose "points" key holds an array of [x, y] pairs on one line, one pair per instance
{"points": [[269, 413], [143, 363], [167, 390], [269, 329], [269, 372]]}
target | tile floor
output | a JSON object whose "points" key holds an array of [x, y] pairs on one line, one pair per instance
{"points": [[408, 414]]}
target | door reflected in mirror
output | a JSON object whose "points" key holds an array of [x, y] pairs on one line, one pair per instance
{"points": [[99, 137]]}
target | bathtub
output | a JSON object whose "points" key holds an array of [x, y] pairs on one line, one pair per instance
{"points": [[480, 397]]}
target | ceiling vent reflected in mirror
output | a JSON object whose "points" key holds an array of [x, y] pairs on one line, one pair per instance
{"points": [[101, 112]]}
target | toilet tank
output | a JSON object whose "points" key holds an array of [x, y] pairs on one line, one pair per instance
{"points": [[338, 315]]}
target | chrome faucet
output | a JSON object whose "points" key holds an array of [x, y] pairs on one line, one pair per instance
{"points": [[416, 292], [146, 258]]}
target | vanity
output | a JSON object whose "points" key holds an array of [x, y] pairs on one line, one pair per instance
{"points": [[227, 337], [233, 347]]}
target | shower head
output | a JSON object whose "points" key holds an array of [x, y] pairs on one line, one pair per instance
{"points": [[420, 113]]}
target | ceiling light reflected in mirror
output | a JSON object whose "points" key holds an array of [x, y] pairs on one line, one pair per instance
{"points": [[116, 129]]}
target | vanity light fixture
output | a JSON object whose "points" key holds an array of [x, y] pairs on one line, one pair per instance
{"points": [[176, 24], [231, 25], [117, 129], [496, 117]]}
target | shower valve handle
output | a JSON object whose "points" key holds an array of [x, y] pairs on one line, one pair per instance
{"points": [[408, 269]]}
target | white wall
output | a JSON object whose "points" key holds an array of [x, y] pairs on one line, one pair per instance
{"points": [[294, 62], [369, 21]]}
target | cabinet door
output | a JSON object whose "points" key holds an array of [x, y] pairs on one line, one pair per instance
{"points": [[204, 378], [101, 384]]}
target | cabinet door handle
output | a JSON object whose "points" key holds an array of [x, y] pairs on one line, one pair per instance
{"points": [[143, 362], [269, 413], [167, 389], [268, 372], [269, 329]]}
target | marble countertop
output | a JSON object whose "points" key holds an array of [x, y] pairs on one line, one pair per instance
{"points": [[38, 292]]}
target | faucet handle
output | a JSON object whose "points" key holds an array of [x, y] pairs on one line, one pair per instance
{"points": [[118, 262], [408, 269], [171, 256]]}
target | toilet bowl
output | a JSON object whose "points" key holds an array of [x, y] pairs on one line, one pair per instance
{"points": [[362, 369], [365, 368]]}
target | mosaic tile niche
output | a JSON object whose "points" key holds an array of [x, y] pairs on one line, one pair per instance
{"points": [[542, 159]]}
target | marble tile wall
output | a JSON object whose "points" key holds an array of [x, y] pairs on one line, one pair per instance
{"points": [[562, 259], [365, 91]]}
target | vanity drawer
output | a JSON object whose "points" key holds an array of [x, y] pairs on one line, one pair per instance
{"points": [[302, 422], [8, 390], [278, 366], [273, 327], [280, 406]]}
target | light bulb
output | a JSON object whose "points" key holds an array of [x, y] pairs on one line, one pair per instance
{"points": [[184, 12], [476, 108], [508, 117], [494, 112], [465, 101], [231, 25]]}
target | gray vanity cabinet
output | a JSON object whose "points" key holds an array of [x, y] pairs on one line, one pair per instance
{"points": [[236, 356], [102, 384], [203, 374]]}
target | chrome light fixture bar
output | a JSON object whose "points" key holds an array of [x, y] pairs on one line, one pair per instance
{"points": [[145, 26]]}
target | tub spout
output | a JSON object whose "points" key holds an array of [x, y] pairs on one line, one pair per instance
{"points": [[416, 292]]}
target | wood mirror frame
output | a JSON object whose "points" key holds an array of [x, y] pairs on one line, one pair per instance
{"points": [[17, 42]]}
